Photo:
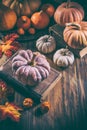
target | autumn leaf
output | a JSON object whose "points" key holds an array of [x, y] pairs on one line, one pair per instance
{"points": [[9, 45], [10, 110]]}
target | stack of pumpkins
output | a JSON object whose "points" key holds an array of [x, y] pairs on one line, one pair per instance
{"points": [[70, 15], [30, 15]]}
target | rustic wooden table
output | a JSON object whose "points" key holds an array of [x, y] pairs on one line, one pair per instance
{"points": [[68, 102]]}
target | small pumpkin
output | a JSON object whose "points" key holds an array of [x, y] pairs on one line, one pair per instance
{"points": [[68, 12], [23, 7], [20, 31], [75, 34], [8, 18], [46, 44], [30, 67], [40, 20], [28, 102], [49, 9], [31, 30], [45, 106], [63, 58], [24, 22]]}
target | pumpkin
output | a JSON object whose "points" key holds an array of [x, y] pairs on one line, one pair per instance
{"points": [[40, 20], [31, 30], [45, 106], [28, 102], [68, 12], [75, 34], [46, 44], [49, 9], [8, 18], [63, 58], [24, 22], [20, 31], [23, 7], [30, 67]]}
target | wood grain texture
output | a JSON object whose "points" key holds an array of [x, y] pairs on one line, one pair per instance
{"points": [[68, 103]]}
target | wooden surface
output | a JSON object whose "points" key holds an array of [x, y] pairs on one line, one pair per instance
{"points": [[68, 102]]}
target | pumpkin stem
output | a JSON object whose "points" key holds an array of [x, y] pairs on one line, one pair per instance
{"points": [[23, 19], [41, 11], [46, 39], [32, 63], [68, 3], [48, 36], [64, 52], [78, 27], [66, 47]]}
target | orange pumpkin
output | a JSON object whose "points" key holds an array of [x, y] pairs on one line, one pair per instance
{"points": [[68, 12], [21, 31], [40, 20], [75, 34], [31, 30], [24, 22], [45, 106], [49, 9], [8, 18], [28, 102]]}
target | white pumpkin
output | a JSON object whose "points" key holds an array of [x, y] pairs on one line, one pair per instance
{"points": [[46, 44], [63, 58]]}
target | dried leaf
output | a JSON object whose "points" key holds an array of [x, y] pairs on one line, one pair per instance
{"points": [[10, 110], [8, 46]]}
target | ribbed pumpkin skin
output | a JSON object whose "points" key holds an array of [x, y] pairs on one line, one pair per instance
{"points": [[75, 35], [46, 44], [66, 14], [63, 58], [30, 67]]}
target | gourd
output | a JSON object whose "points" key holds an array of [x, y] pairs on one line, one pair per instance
{"points": [[68, 12], [46, 44], [8, 18], [44, 107], [49, 9], [30, 67], [23, 22], [40, 20], [75, 34], [63, 58], [27, 103], [23, 7], [32, 30]]}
